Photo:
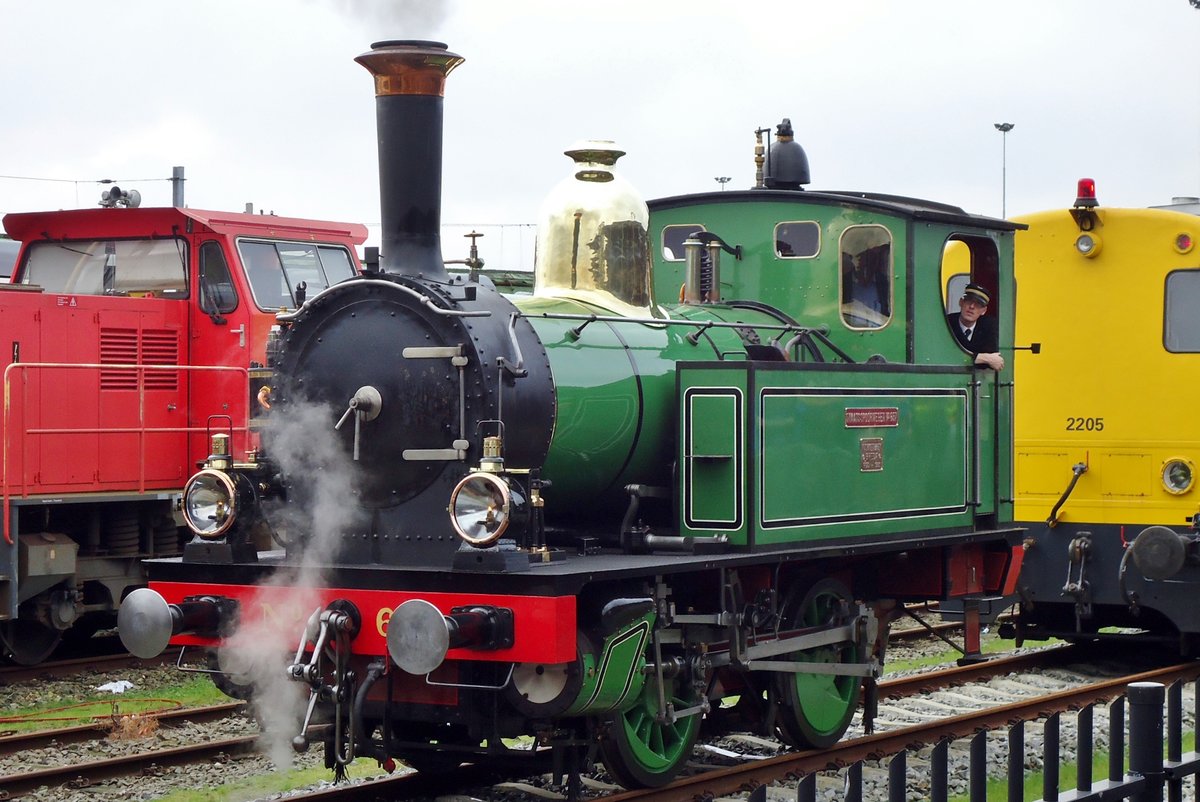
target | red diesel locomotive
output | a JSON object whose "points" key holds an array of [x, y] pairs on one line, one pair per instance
{"points": [[129, 335]]}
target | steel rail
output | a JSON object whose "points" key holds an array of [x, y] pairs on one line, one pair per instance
{"points": [[86, 774], [99, 728]]}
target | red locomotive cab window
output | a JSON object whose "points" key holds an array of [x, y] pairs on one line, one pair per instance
{"points": [[277, 270], [218, 296], [865, 266], [134, 267], [9, 250]]}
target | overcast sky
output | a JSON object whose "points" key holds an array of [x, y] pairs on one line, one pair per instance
{"points": [[261, 100]]}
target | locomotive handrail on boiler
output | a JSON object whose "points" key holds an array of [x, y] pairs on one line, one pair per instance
{"points": [[586, 515]]}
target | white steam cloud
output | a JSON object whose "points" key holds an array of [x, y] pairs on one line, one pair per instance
{"points": [[397, 19], [304, 444]]}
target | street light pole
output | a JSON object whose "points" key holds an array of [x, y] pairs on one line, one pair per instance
{"points": [[722, 180], [1003, 128]]}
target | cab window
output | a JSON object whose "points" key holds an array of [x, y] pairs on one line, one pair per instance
{"points": [[217, 293], [9, 250], [969, 260], [137, 267], [866, 276], [1181, 325], [797, 240], [276, 270], [673, 238], [335, 262]]}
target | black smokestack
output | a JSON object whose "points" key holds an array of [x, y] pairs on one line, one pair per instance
{"points": [[409, 80]]}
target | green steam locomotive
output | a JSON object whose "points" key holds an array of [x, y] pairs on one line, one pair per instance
{"points": [[691, 478]]}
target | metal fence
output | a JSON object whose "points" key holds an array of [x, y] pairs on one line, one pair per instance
{"points": [[1157, 766]]}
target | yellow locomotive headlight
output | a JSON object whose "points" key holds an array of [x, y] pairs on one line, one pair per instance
{"points": [[480, 507], [1178, 476], [1183, 242], [210, 503], [1088, 244]]}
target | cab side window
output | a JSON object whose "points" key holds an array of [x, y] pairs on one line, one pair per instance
{"points": [[336, 263], [865, 266], [265, 272], [282, 272], [1181, 326], [797, 240], [217, 293], [673, 238], [970, 260]]}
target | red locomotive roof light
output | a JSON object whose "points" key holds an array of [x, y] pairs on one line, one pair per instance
{"points": [[1184, 242], [1085, 195]]}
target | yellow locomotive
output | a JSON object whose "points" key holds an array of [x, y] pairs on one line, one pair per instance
{"points": [[1106, 444]]}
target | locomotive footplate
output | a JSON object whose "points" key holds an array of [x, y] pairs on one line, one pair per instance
{"points": [[575, 570], [570, 575]]}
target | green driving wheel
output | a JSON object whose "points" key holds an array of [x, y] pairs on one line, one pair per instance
{"points": [[642, 752], [814, 710]]}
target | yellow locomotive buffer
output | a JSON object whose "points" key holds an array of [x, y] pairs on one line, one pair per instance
{"points": [[1105, 460]]}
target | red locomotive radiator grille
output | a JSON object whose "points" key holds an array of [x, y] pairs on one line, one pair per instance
{"points": [[160, 347], [127, 346]]}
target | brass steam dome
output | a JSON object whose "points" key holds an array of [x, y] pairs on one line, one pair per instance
{"points": [[593, 242]]}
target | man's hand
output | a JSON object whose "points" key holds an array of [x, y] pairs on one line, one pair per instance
{"points": [[993, 361]]}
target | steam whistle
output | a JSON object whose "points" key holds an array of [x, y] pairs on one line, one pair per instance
{"points": [[473, 261]]}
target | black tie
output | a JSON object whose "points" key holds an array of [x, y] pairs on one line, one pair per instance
{"points": [[968, 333]]}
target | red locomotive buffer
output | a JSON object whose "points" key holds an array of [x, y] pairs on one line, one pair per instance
{"points": [[129, 335]]}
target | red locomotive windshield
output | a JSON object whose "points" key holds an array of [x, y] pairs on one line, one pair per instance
{"points": [[109, 267]]}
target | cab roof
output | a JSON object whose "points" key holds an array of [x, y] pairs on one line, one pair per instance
{"points": [[912, 208], [167, 221]]}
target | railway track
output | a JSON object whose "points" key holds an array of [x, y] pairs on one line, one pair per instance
{"points": [[83, 733], [67, 667], [95, 772], [1025, 686], [747, 775], [1028, 676], [89, 773]]}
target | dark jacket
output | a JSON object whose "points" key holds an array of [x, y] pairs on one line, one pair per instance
{"points": [[984, 339]]}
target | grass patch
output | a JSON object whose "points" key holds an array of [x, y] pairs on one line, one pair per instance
{"points": [[275, 782], [58, 711], [1068, 775], [989, 644]]}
